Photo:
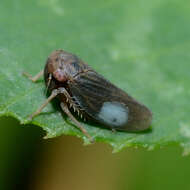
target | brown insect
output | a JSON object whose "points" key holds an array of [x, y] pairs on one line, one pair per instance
{"points": [[82, 90]]}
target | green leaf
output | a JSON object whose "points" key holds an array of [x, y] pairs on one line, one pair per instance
{"points": [[141, 46]]}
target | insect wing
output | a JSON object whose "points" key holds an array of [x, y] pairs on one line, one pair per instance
{"points": [[108, 104]]}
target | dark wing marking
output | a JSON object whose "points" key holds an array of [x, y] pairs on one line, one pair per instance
{"points": [[91, 91]]}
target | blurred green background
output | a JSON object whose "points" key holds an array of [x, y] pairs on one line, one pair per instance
{"points": [[29, 162], [152, 44]]}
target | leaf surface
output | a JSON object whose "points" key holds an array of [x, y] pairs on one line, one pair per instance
{"points": [[141, 46]]}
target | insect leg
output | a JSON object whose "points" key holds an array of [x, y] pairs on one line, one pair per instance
{"points": [[38, 111], [63, 106], [54, 93], [69, 114], [33, 78]]}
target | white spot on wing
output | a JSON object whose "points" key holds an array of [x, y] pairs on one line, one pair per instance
{"points": [[113, 114]]}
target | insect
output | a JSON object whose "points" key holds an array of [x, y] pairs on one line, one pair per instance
{"points": [[83, 91]]}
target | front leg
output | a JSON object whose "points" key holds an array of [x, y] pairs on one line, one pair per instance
{"points": [[64, 107], [33, 78], [54, 93]]}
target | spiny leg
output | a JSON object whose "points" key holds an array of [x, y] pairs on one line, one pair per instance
{"points": [[69, 114], [33, 78], [64, 107]]}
